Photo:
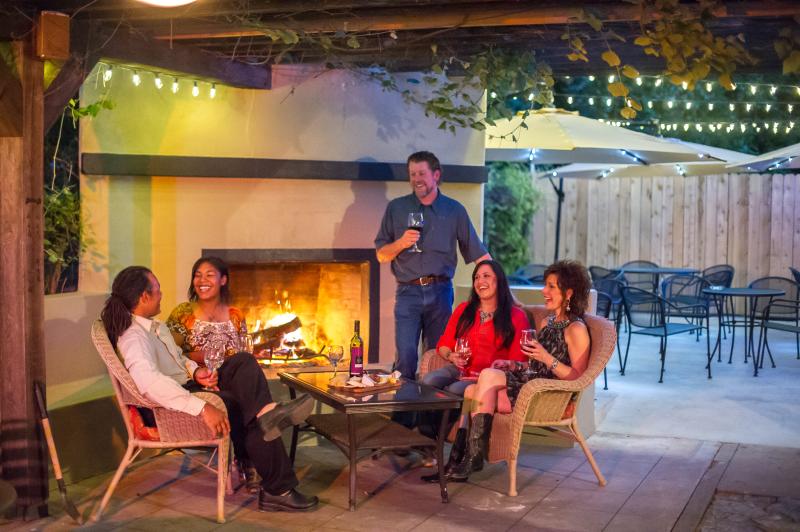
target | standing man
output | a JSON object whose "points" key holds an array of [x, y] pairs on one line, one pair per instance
{"points": [[424, 298]]}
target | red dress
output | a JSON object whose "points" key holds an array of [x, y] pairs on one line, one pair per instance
{"points": [[486, 346]]}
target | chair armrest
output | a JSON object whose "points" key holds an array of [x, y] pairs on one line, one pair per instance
{"points": [[431, 361], [175, 426]]}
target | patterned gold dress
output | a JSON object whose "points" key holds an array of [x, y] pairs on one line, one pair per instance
{"points": [[201, 335]]}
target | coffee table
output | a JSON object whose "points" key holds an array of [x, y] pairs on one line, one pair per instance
{"points": [[361, 421]]}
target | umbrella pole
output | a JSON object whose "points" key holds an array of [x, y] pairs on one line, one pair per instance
{"points": [[560, 193]]}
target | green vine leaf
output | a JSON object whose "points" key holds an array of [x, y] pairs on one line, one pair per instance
{"points": [[611, 58]]}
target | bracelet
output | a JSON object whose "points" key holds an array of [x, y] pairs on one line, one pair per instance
{"points": [[554, 365]]}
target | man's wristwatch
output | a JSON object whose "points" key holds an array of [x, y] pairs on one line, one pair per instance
{"points": [[554, 365]]}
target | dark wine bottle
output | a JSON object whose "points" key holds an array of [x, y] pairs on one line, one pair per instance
{"points": [[356, 352]]}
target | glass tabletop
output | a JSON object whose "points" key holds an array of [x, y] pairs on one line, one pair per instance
{"points": [[744, 292], [410, 395]]}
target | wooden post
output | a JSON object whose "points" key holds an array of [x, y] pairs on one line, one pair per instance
{"points": [[22, 451]]}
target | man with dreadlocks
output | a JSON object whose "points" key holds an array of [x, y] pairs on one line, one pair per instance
{"points": [[164, 375]]}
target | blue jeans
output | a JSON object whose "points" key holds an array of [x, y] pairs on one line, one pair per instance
{"points": [[419, 311], [447, 378]]}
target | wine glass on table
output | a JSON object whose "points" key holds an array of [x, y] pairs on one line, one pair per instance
{"points": [[213, 359], [464, 352], [527, 337], [335, 355], [415, 223]]}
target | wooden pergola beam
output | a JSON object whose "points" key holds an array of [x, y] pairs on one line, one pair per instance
{"points": [[486, 15], [22, 360]]}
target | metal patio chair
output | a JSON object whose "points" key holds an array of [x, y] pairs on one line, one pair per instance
{"points": [[532, 272], [647, 315], [684, 292], [598, 272], [643, 281], [784, 313]]}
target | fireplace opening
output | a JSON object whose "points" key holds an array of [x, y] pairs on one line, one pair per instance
{"points": [[298, 302]]}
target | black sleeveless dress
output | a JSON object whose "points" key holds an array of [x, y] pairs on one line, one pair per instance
{"points": [[552, 339]]}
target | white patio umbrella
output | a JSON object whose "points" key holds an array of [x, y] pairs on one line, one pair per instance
{"points": [[556, 136], [704, 167], [780, 159]]}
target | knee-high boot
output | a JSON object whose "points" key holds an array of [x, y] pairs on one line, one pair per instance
{"points": [[457, 455], [477, 448]]}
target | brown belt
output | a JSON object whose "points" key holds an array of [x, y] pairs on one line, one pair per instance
{"points": [[428, 279]]}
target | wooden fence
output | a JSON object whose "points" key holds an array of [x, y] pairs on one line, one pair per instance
{"points": [[751, 221]]}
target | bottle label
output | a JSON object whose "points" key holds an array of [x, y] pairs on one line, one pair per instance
{"points": [[356, 361]]}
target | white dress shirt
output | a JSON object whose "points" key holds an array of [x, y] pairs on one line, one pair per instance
{"points": [[157, 365]]}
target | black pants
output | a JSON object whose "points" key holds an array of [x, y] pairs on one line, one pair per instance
{"points": [[245, 392]]}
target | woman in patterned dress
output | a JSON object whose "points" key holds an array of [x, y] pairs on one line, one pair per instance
{"points": [[561, 351]]}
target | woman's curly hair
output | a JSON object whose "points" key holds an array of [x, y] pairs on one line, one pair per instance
{"points": [[572, 275]]}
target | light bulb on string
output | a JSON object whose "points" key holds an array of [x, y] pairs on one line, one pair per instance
{"points": [[175, 86], [530, 97], [493, 94], [649, 104], [670, 104], [611, 78], [684, 85], [798, 90], [158, 82], [608, 102], [658, 82], [569, 100], [195, 90], [591, 78], [137, 80], [107, 74], [731, 106], [213, 91], [766, 125], [688, 105], [753, 89], [639, 81], [767, 107], [698, 127], [773, 89], [748, 106], [591, 100], [709, 86], [710, 106], [743, 127], [686, 127], [790, 107]]}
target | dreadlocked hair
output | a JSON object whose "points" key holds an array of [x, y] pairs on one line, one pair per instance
{"points": [[128, 287]]}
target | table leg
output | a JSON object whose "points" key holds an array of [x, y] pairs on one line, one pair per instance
{"points": [[752, 319], [733, 331], [351, 437], [295, 430], [440, 454], [719, 304]]}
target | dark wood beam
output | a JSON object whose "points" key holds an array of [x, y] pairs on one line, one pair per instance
{"points": [[22, 360], [67, 82], [136, 49], [475, 15], [10, 102]]}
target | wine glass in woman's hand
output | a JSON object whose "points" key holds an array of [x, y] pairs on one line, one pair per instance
{"points": [[213, 359], [526, 340], [464, 352]]}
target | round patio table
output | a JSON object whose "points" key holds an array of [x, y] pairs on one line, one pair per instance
{"points": [[751, 296]]}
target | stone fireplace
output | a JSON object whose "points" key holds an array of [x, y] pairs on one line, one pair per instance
{"points": [[325, 289]]}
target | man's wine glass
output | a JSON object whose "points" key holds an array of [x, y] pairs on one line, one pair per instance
{"points": [[213, 359], [335, 355], [415, 223], [527, 337], [464, 351]]}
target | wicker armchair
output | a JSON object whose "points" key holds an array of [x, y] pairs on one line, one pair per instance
{"points": [[175, 429], [543, 402]]}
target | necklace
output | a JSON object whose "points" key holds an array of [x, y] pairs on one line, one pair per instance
{"points": [[563, 324], [485, 316]]}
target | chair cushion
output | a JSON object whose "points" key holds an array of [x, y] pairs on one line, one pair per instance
{"points": [[140, 430]]}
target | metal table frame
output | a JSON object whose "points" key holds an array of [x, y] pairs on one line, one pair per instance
{"points": [[352, 440]]}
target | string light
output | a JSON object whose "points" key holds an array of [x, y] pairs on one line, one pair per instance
{"points": [[684, 85], [608, 102], [670, 104], [591, 100], [639, 80], [175, 86], [767, 107], [798, 90], [710, 106], [709, 86], [748, 106], [731, 106], [158, 82], [195, 90], [658, 82], [107, 74], [686, 127], [611, 78], [137, 80], [753, 89], [569, 100], [591, 78], [649, 104], [790, 107], [212, 91], [688, 105], [773, 89]]}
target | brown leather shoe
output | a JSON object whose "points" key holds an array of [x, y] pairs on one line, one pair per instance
{"points": [[291, 501]]}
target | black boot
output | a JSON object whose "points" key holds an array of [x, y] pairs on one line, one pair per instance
{"points": [[477, 448], [457, 453]]}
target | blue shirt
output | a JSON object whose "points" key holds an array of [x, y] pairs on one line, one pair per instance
{"points": [[446, 223]]}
